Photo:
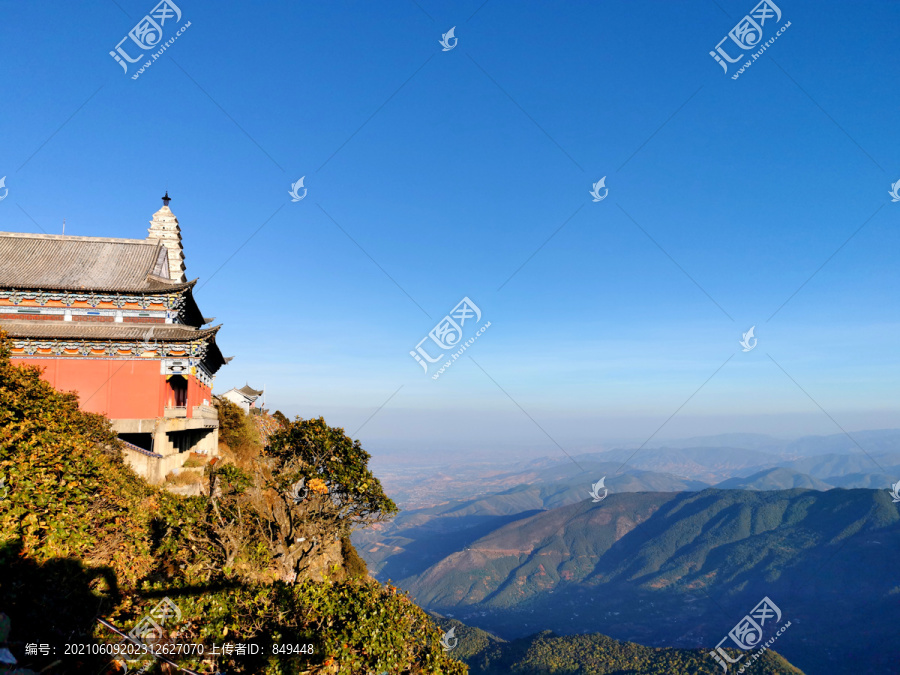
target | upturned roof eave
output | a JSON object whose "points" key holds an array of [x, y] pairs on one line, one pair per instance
{"points": [[107, 331], [175, 287]]}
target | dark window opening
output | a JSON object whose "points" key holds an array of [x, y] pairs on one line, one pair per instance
{"points": [[143, 441], [178, 391]]}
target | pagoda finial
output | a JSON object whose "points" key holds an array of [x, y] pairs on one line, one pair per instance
{"points": [[164, 228]]}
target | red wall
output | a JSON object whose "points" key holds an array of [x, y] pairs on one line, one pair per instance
{"points": [[198, 392], [115, 388]]}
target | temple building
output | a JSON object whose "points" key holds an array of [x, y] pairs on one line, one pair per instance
{"points": [[245, 397], [115, 321]]}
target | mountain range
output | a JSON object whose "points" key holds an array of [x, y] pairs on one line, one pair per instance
{"points": [[691, 535], [865, 459]]}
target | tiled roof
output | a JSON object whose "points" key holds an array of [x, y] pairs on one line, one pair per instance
{"points": [[89, 330], [81, 263], [118, 332], [246, 390]]}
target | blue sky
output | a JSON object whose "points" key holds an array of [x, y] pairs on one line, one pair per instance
{"points": [[435, 175]]}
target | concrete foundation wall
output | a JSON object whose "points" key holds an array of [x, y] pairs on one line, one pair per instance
{"points": [[153, 469], [174, 439]]}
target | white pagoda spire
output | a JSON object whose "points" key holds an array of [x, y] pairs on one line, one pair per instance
{"points": [[164, 227]]}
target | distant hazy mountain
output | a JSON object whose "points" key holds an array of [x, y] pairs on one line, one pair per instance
{"points": [[834, 464], [696, 462], [587, 654], [871, 441], [759, 442], [707, 464], [778, 478], [675, 569], [713, 465]]}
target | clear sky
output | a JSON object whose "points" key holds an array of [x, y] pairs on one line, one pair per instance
{"points": [[435, 175]]}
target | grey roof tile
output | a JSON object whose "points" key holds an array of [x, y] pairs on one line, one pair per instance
{"points": [[90, 330], [81, 263]]}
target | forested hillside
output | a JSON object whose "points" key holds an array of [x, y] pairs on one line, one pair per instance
{"points": [[262, 558], [673, 569]]}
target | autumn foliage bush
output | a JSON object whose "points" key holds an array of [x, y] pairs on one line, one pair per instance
{"points": [[69, 494], [236, 429]]}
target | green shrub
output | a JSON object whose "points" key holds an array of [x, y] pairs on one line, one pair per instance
{"points": [[236, 430], [195, 463], [354, 565]]}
